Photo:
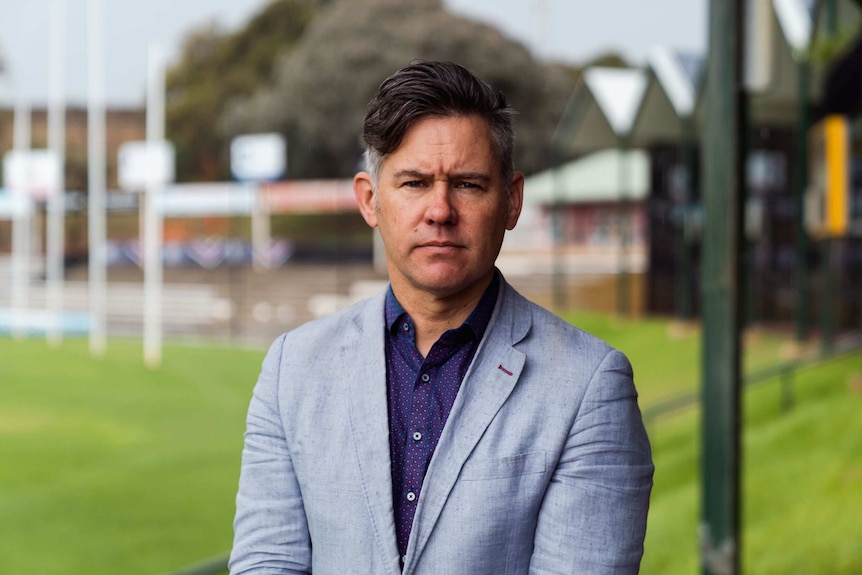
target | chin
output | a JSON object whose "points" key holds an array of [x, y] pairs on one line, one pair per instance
{"points": [[444, 285]]}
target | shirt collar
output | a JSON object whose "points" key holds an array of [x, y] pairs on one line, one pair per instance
{"points": [[477, 321]]}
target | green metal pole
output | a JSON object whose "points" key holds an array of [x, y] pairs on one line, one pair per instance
{"points": [[827, 315], [623, 280], [748, 278], [559, 273], [720, 284], [831, 17], [566, 125], [685, 305], [803, 124]]}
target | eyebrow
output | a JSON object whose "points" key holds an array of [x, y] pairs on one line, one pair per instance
{"points": [[409, 174], [456, 176]]}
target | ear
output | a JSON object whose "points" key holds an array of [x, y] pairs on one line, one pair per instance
{"points": [[516, 200], [363, 189]]}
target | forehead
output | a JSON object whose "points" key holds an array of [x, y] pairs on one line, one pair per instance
{"points": [[445, 142]]}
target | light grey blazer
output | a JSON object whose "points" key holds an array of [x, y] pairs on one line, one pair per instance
{"points": [[543, 465]]}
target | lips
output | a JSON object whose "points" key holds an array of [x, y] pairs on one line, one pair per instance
{"points": [[440, 245]]}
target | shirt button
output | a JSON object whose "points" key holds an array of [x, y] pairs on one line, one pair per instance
{"points": [[425, 377], [406, 326], [411, 496], [417, 436], [404, 559]]}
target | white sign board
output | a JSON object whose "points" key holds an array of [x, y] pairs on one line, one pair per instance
{"points": [[36, 173], [258, 157], [207, 199], [145, 164], [14, 205]]}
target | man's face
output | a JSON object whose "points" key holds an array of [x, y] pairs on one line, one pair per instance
{"points": [[441, 207]]}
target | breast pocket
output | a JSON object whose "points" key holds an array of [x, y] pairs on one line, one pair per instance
{"points": [[504, 467]]}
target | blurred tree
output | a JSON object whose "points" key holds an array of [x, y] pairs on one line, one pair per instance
{"points": [[321, 88], [216, 66]]}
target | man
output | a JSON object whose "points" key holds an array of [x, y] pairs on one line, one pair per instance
{"points": [[448, 425]]}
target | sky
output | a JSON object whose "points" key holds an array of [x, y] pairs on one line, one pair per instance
{"points": [[563, 30]]}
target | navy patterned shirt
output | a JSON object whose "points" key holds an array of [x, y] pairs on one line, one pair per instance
{"points": [[421, 393]]}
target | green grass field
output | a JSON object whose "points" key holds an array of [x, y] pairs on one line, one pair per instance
{"points": [[112, 468]]}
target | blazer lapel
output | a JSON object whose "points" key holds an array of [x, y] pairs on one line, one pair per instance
{"points": [[369, 420], [485, 388]]}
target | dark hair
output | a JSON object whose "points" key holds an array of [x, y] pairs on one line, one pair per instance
{"points": [[428, 88]]}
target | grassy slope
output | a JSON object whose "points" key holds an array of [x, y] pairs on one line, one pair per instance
{"points": [[120, 469], [802, 487]]}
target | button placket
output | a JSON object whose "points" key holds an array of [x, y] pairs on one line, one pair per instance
{"points": [[415, 450]]}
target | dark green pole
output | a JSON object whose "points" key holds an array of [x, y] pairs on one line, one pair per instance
{"points": [[558, 274], [559, 145], [803, 123], [559, 285], [685, 300], [831, 8], [720, 284], [747, 277], [558, 226], [623, 280], [827, 265], [828, 268]]}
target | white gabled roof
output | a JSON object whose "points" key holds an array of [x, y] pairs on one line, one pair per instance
{"points": [[677, 84], [794, 17], [618, 92], [597, 177]]}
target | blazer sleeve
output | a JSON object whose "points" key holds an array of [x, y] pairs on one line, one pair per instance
{"points": [[270, 529], [593, 516]]}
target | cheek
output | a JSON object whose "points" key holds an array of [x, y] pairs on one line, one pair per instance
{"points": [[388, 219], [389, 223]]}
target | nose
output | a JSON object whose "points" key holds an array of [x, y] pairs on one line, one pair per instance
{"points": [[440, 210]]}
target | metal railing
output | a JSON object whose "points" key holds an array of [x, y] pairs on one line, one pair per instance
{"points": [[784, 371], [213, 566]]}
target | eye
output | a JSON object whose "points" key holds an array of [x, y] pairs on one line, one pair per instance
{"points": [[468, 186], [413, 184]]}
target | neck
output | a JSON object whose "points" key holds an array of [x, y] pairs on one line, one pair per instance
{"points": [[433, 315]]}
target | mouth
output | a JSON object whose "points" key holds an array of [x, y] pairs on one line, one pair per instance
{"points": [[439, 247], [441, 244]]}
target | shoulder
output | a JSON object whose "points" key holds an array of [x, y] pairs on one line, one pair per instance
{"points": [[548, 330], [357, 321], [570, 361], [557, 351], [318, 353]]}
